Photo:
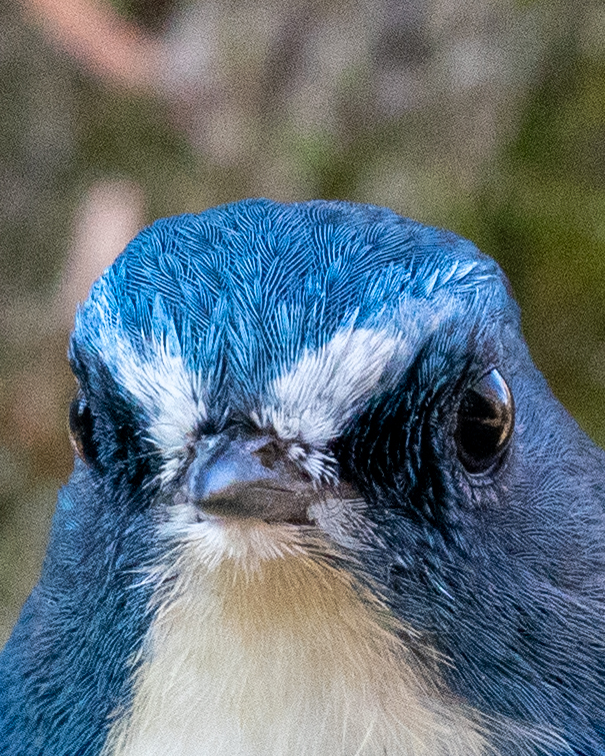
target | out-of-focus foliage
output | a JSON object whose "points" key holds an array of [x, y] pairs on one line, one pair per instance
{"points": [[541, 213], [486, 117]]}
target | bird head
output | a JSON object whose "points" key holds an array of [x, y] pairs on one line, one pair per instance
{"points": [[318, 472], [258, 361]]}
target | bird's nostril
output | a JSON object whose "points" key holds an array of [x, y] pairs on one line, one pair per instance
{"points": [[269, 454]]}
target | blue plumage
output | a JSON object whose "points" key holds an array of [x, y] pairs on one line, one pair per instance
{"points": [[344, 354]]}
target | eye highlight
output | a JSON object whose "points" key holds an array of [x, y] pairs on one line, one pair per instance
{"points": [[485, 423], [81, 425]]}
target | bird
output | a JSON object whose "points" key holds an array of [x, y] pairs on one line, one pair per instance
{"points": [[323, 503]]}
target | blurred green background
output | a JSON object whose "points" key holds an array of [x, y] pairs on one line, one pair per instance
{"points": [[485, 117]]}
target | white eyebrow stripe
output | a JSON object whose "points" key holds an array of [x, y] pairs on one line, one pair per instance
{"points": [[315, 399], [310, 402], [157, 377], [168, 391]]}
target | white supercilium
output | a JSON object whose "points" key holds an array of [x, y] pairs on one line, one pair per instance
{"points": [[156, 376], [314, 400]]}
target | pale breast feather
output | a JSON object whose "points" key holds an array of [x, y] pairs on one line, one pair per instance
{"points": [[263, 646]]}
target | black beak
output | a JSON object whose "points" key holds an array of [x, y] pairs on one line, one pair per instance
{"points": [[248, 478]]}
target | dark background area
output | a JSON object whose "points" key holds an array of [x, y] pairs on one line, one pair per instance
{"points": [[484, 117]]}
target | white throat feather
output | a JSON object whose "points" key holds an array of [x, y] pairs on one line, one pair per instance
{"points": [[262, 645]]}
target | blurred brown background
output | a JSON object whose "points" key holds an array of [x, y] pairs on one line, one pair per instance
{"points": [[486, 117]]}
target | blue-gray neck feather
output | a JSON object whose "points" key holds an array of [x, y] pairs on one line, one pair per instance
{"points": [[70, 657]]}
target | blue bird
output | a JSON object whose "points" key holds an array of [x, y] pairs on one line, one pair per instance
{"points": [[323, 504]]}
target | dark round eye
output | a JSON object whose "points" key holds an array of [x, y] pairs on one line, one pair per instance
{"points": [[486, 418], [81, 425]]}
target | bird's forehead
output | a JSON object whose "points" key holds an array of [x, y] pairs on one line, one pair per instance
{"points": [[279, 307]]}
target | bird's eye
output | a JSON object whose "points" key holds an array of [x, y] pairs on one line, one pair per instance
{"points": [[81, 429], [486, 418]]}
